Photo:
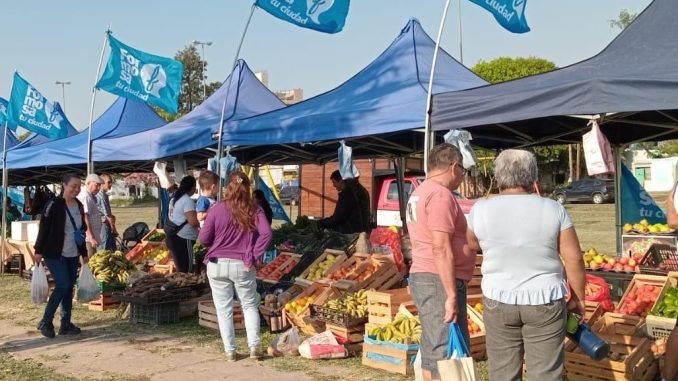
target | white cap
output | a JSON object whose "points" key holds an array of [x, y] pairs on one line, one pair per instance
{"points": [[93, 178]]}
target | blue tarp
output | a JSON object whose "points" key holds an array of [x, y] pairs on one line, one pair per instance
{"points": [[388, 95], [124, 117], [247, 97], [12, 141], [634, 76]]}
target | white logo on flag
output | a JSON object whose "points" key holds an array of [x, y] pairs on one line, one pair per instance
{"points": [[54, 115], [519, 5], [317, 8], [154, 78]]}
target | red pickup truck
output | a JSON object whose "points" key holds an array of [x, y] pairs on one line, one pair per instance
{"points": [[387, 207]]}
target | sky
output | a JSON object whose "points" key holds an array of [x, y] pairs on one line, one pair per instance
{"points": [[48, 41]]}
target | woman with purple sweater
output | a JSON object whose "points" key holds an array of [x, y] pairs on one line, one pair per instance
{"points": [[237, 234]]}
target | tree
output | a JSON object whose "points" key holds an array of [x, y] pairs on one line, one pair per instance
{"points": [[624, 19], [191, 88], [506, 68]]}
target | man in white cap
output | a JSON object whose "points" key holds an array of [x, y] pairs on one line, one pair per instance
{"points": [[92, 213]]}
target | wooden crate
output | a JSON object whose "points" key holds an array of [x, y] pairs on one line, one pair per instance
{"points": [[341, 257], [385, 277], [104, 303], [153, 231], [382, 306], [351, 263], [347, 335], [478, 341], [302, 320], [166, 269], [639, 280], [659, 327], [638, 363], [207, 315], [402, 353], [274, 319], [291, 258]]}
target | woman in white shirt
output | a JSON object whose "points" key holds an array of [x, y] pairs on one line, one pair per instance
{"points": [[182, 213]]}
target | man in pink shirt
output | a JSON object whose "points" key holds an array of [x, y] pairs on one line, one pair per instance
{"points": [[442, 263]]}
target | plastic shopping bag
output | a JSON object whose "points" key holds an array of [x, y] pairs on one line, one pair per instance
{"points": [[462, 140], [286, 344], [88, 290], [418, 374], [459, 365], [597, 151], [347, 168], [597, 290], [39, 286]]}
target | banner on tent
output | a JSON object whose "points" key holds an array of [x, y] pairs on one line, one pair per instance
{"points": [[29, 109], [328, 16], [276, 206], [636, 203], [510, 14], [134, 74], [3, 111]]}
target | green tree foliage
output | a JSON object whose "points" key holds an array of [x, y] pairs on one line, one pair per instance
{"points": [[506, 68], [191, 89], [624, 19]]}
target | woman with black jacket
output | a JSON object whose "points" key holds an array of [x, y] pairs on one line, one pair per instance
{"points": [[60, 242]]}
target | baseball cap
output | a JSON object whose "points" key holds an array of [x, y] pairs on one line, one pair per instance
{"points": [[93, 178]]}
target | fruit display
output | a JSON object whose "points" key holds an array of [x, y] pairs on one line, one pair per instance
{"points": [[638, 248], [156, 236], [353, 304], [298, 305], [644, 227], [668, 304], [138, 253], [279, 267], [160, 255], [478, 307], [317, 270], [658, 347], [110, 267], [402, 330], [351, 270], [639, 300], [473, 327], [596, 261]]}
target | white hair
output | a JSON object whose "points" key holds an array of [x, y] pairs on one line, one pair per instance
{"points": [[515, 168]]}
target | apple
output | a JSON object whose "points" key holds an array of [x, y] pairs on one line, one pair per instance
{"points": [[611, 261], [607, 267], [618, 267], [632, 262], [628, 269], [624, 261]]}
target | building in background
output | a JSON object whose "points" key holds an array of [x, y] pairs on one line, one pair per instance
{"points": [[289, 97], [654, 174]]}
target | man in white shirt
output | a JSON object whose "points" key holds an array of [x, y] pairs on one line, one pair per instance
{"points": [[93, 215]]}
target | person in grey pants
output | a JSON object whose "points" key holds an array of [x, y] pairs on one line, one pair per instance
{"points": [[523, 238]]}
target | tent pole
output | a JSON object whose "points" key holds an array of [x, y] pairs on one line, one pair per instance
{"points": [[90, 163], [220, 144], [618, 150], [4, 200], [429, 137]]}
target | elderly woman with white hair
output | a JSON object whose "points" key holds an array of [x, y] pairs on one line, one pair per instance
{"points": [[530, 251]]}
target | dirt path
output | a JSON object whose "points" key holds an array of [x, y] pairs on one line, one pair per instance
{"points": [[99, 353]]}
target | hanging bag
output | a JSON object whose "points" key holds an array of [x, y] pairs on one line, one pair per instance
{"points": [[597, 151], [459, 365], [88, 289], [78, 234], [39, 286], [171, 229]]}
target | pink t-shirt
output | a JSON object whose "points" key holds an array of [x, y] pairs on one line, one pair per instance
{"points": [[432, 207]]}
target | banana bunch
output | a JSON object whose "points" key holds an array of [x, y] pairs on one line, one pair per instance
{"points": [[402, 330], [110, 267], [354, 304]]}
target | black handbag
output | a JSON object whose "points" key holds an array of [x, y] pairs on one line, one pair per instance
{"points": [[172, 229]]}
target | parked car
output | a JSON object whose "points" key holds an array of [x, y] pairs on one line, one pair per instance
{"points": [[289, 195], [597, 191]]}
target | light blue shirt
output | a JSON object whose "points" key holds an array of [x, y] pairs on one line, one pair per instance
{"points": [[519, 236]]}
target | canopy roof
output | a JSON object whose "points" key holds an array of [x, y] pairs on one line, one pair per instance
{"points": [[634, 77], [12, 141], [385, 98]]}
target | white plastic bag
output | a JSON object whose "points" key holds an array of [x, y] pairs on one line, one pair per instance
{"points": [[418, 374], [160, 169], [597, 151], [462, 140], [287, 343], [347, 168], [39, 286], [88, 290]]}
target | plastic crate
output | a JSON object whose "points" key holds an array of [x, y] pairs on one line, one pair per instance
{"points": [[155, 314], [337, 317], [659, 327], [657, 255], [178, 294]]}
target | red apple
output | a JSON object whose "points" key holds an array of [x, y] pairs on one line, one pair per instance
{"points": [[632, 262], [624, 261], [628, 269], [618, 267]]}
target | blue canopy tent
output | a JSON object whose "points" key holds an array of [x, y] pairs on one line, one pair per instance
{"points": [[191, 134], [46, 162], [633, 83], [378, 109], [12, 141]]}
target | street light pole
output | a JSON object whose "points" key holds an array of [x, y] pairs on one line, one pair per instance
{"points": [[63, 92], [202, 48]]}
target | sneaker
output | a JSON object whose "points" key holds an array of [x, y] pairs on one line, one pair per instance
{"points": [[231, 356], [69, 329], [255, 353], [47, 329]]}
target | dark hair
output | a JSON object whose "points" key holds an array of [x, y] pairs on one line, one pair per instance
{"points": [[65, 179], [336, 176], [208, 178], [239, 198], [443, 155], [186, 184], [263, 202]]}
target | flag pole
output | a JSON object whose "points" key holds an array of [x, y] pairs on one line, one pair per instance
{"points": [[90, 163], [429, 137], [4, 199], [220, 144]]}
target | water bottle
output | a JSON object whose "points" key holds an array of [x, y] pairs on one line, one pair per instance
{"points": [[595, 347]]}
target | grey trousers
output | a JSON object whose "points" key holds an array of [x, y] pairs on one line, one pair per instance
{"points": [[533, 332]]}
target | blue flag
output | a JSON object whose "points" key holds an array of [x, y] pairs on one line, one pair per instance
{"points": [[3, 111], [327, 16], [278, 211], [31, 110], [133, 74], [509, 13], [636, 204]]}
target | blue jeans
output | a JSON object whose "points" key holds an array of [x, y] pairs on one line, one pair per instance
{"points": [[225, 276], [106, 239], [429, 296], [64, 272]]}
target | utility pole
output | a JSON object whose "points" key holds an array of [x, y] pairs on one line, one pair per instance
{"points": [[202, 59], [63, 92]]}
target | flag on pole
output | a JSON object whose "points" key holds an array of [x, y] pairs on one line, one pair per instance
{"points": [[134, 74], [276, 206], [328, 16], [510, 14], [636, 203], [29, 109], [3, 111]]}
